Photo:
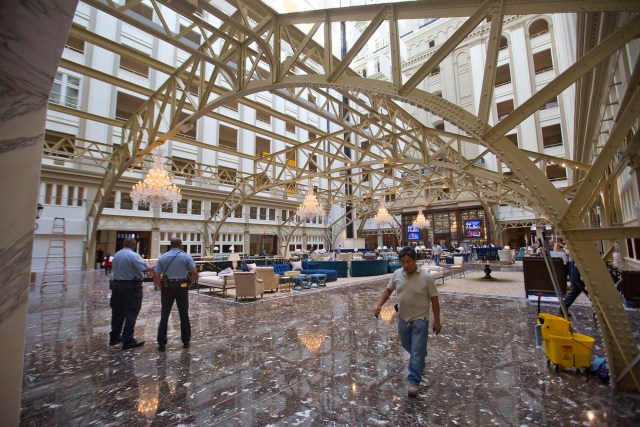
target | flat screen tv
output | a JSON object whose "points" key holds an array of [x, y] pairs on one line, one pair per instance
{"points": [[473, 229], [413, 233]]}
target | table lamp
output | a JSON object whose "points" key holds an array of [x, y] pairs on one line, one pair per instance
{"points": [[234, 258]]}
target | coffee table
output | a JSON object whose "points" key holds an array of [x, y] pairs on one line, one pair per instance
{"points": [[318, 279], [301, 281]]}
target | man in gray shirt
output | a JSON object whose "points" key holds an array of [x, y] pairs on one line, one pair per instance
{"points": [[417, 293]]}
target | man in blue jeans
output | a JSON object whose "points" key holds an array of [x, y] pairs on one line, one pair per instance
{"points": [[577, 286], [417, 293]]}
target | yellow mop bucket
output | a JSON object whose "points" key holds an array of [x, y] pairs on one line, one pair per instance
{"points": [[563, 347]]}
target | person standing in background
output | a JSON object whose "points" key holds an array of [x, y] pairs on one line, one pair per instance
{"points": [[436, 250], [126, 294], [99, 256], [107, 263], [175, 273]]}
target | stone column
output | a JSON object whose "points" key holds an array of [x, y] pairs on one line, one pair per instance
{"points": [[522, 84], [28, 62], [155, 238]]}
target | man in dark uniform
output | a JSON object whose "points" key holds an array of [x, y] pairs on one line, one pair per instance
{"points": [[126, 294], [175, 273]]}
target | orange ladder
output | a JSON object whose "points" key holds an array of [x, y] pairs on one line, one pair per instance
{"points": [[55, 265]]}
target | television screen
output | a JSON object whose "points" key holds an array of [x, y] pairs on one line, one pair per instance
{"points": [[413, 232], [473, 228]]}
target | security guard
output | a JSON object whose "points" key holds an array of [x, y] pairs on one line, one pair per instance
{"points": [[126, 294], [175, 273]]}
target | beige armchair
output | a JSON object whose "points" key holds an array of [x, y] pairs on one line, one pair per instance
{"points": [[343, 257], [247, 285], [270, 280], [215, 283]]}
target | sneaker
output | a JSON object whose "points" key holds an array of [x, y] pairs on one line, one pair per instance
{"points": [[162, 347], [132, 344], [413, 390]]}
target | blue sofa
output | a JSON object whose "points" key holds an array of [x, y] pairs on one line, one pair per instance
{"points": [[307, 268], [393, 266], [374, 267], [340, 266]]}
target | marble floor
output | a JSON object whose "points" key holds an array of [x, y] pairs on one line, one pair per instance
{"points": [[310, 359]]}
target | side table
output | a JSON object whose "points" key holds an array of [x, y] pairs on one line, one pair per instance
{"points": [[318, 279]]}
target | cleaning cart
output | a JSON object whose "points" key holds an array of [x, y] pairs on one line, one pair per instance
{"points": [[562, 345]]}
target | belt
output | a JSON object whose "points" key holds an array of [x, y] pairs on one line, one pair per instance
{"points": [[129, 280], [177, 280]]}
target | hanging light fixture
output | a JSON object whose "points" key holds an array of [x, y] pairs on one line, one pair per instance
{"points": [[156, 190], [420, 221], [310, 208], [383, 216]]}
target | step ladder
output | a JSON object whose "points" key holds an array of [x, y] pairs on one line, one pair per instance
{"points": [[55, 265]]}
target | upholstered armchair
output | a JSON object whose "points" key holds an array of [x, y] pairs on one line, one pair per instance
{"points": [[458, 266], [270, 280], [247, 285]]}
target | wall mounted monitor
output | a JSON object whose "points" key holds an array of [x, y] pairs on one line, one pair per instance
{"points": [[473, 229], [413, 233]]}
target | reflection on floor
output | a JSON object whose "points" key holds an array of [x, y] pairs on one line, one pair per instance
{"points": [[310, 359]]}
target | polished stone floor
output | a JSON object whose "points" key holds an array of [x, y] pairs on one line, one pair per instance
{"points": [[311, 359]]}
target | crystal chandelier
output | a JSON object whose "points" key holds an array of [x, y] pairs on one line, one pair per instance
{"points": [[156, 190], [383, 216], [421, 222], [310, 208]]}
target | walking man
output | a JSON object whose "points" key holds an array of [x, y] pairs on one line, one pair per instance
{"points": [[436, 251], [417, 292], [175, 273], [577, 286], [126, 295]]}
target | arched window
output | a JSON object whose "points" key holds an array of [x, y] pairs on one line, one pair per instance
{"points": [[538, 28], [503, 43]]}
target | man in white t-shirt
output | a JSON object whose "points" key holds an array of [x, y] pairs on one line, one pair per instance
{"points": [[417, 293], [436, 251]]}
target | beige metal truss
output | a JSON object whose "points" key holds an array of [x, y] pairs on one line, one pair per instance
{"points": [[392, 154]]}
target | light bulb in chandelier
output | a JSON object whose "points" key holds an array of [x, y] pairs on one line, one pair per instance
{"points": [[156, 190]]}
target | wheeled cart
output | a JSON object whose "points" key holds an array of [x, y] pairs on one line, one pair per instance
{"points": [[563, 347]]}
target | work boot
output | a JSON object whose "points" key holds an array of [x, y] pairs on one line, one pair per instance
{"points": [[132, 344], [413, 390]]}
